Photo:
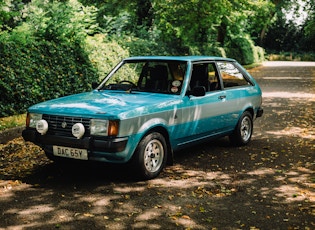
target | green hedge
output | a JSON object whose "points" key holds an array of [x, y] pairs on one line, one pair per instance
{"points": [[39, 71], [244, 51], [215, 51]]}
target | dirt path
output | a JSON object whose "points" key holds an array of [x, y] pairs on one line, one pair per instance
{"points": [[269, 184]]}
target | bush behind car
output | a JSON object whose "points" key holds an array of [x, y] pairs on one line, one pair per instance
{"points": [[38, 71]]}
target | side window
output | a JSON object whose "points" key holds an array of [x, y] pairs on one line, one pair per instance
{"points": [[205, 74], [231, 76]]}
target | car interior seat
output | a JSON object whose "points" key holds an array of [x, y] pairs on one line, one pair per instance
{"points": [[157, 80], [199, 77]]}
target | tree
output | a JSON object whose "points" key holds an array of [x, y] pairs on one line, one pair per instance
{"points": [[290, 31], [59, 21], [188, 23], [309, 27]]}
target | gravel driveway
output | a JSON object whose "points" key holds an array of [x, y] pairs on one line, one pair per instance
{"points": [[269, 184]]}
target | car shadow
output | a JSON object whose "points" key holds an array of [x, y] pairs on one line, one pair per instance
{"points": [[83, 173], [86, 174], [74, 174]]}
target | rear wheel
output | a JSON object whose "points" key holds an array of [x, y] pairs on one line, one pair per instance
{"points": [[150, 156], [243, 130]]}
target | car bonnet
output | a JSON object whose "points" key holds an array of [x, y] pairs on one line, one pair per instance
{"points": [[106, 103]]}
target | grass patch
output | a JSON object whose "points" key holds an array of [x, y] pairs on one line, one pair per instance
{"points": [[12, 121]]}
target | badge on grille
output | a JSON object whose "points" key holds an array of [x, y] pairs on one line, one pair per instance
{"points": [[64, 124]]}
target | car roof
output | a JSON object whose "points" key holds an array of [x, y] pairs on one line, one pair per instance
{"points": [[179, 58]]}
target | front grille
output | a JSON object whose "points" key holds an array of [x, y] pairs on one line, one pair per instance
{"points": [[60, 125]]}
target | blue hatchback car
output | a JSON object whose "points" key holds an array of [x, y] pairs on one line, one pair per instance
{"points": [[146, 108]]}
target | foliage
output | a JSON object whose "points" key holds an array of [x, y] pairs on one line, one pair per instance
{"points": [[259, 17], [190, 24], [10, 14], [281, 35], [12, 121], [309, 30], [61, 21], [116, 26], [215, 50], [140, 47], [22, 35], [40, 71], [103, 54], [310, 27], [291, 56], [294, 33], [244, 50], [259, 54], [40, 39]]}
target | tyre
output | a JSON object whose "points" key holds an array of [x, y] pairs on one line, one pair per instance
{"points": [[150, 156], [243, 130]]}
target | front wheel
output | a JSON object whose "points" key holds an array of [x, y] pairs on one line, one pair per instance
{"points": [[150, 156], [243, 130]]}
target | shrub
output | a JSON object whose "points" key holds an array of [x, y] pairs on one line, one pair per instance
{"points": [[308, 57], [39, 71], [194, 50], [212, 50], [104, 55], [242, 48], [142, 47], [260, 54], [291, 56]]}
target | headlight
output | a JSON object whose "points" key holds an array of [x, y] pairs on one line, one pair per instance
{"points": [[104, 127], [99, 127], [32, 119]]}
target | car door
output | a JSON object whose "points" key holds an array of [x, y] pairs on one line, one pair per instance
{"points": [[237, 89], [203, 116]]}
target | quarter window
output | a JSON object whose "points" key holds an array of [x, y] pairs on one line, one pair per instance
{"points": [[231, 75]]}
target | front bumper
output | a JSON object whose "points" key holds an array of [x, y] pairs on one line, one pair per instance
{"points": [[92, 144]]}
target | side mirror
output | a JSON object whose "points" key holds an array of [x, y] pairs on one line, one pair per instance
{"points": [[94, 85], [199, 91]]}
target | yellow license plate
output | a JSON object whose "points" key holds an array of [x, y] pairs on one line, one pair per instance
{"points": [[74, 153]]}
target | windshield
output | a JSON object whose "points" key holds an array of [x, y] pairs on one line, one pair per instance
{"points": [[148, 76]]}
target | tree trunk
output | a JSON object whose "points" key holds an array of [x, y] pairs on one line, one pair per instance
{"points": [[221, 33]]}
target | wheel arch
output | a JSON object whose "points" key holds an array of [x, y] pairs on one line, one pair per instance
{"points": [[251, 110], [164, 132], [243, 133]]}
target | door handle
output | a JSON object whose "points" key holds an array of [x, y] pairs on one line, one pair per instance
{"points": [[222, 97]]}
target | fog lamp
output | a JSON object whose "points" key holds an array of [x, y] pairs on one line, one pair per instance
{"points": [[42, 126], [78, 130]]}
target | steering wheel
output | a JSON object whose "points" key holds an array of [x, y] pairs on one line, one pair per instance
{"points": [[129, 82]]}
